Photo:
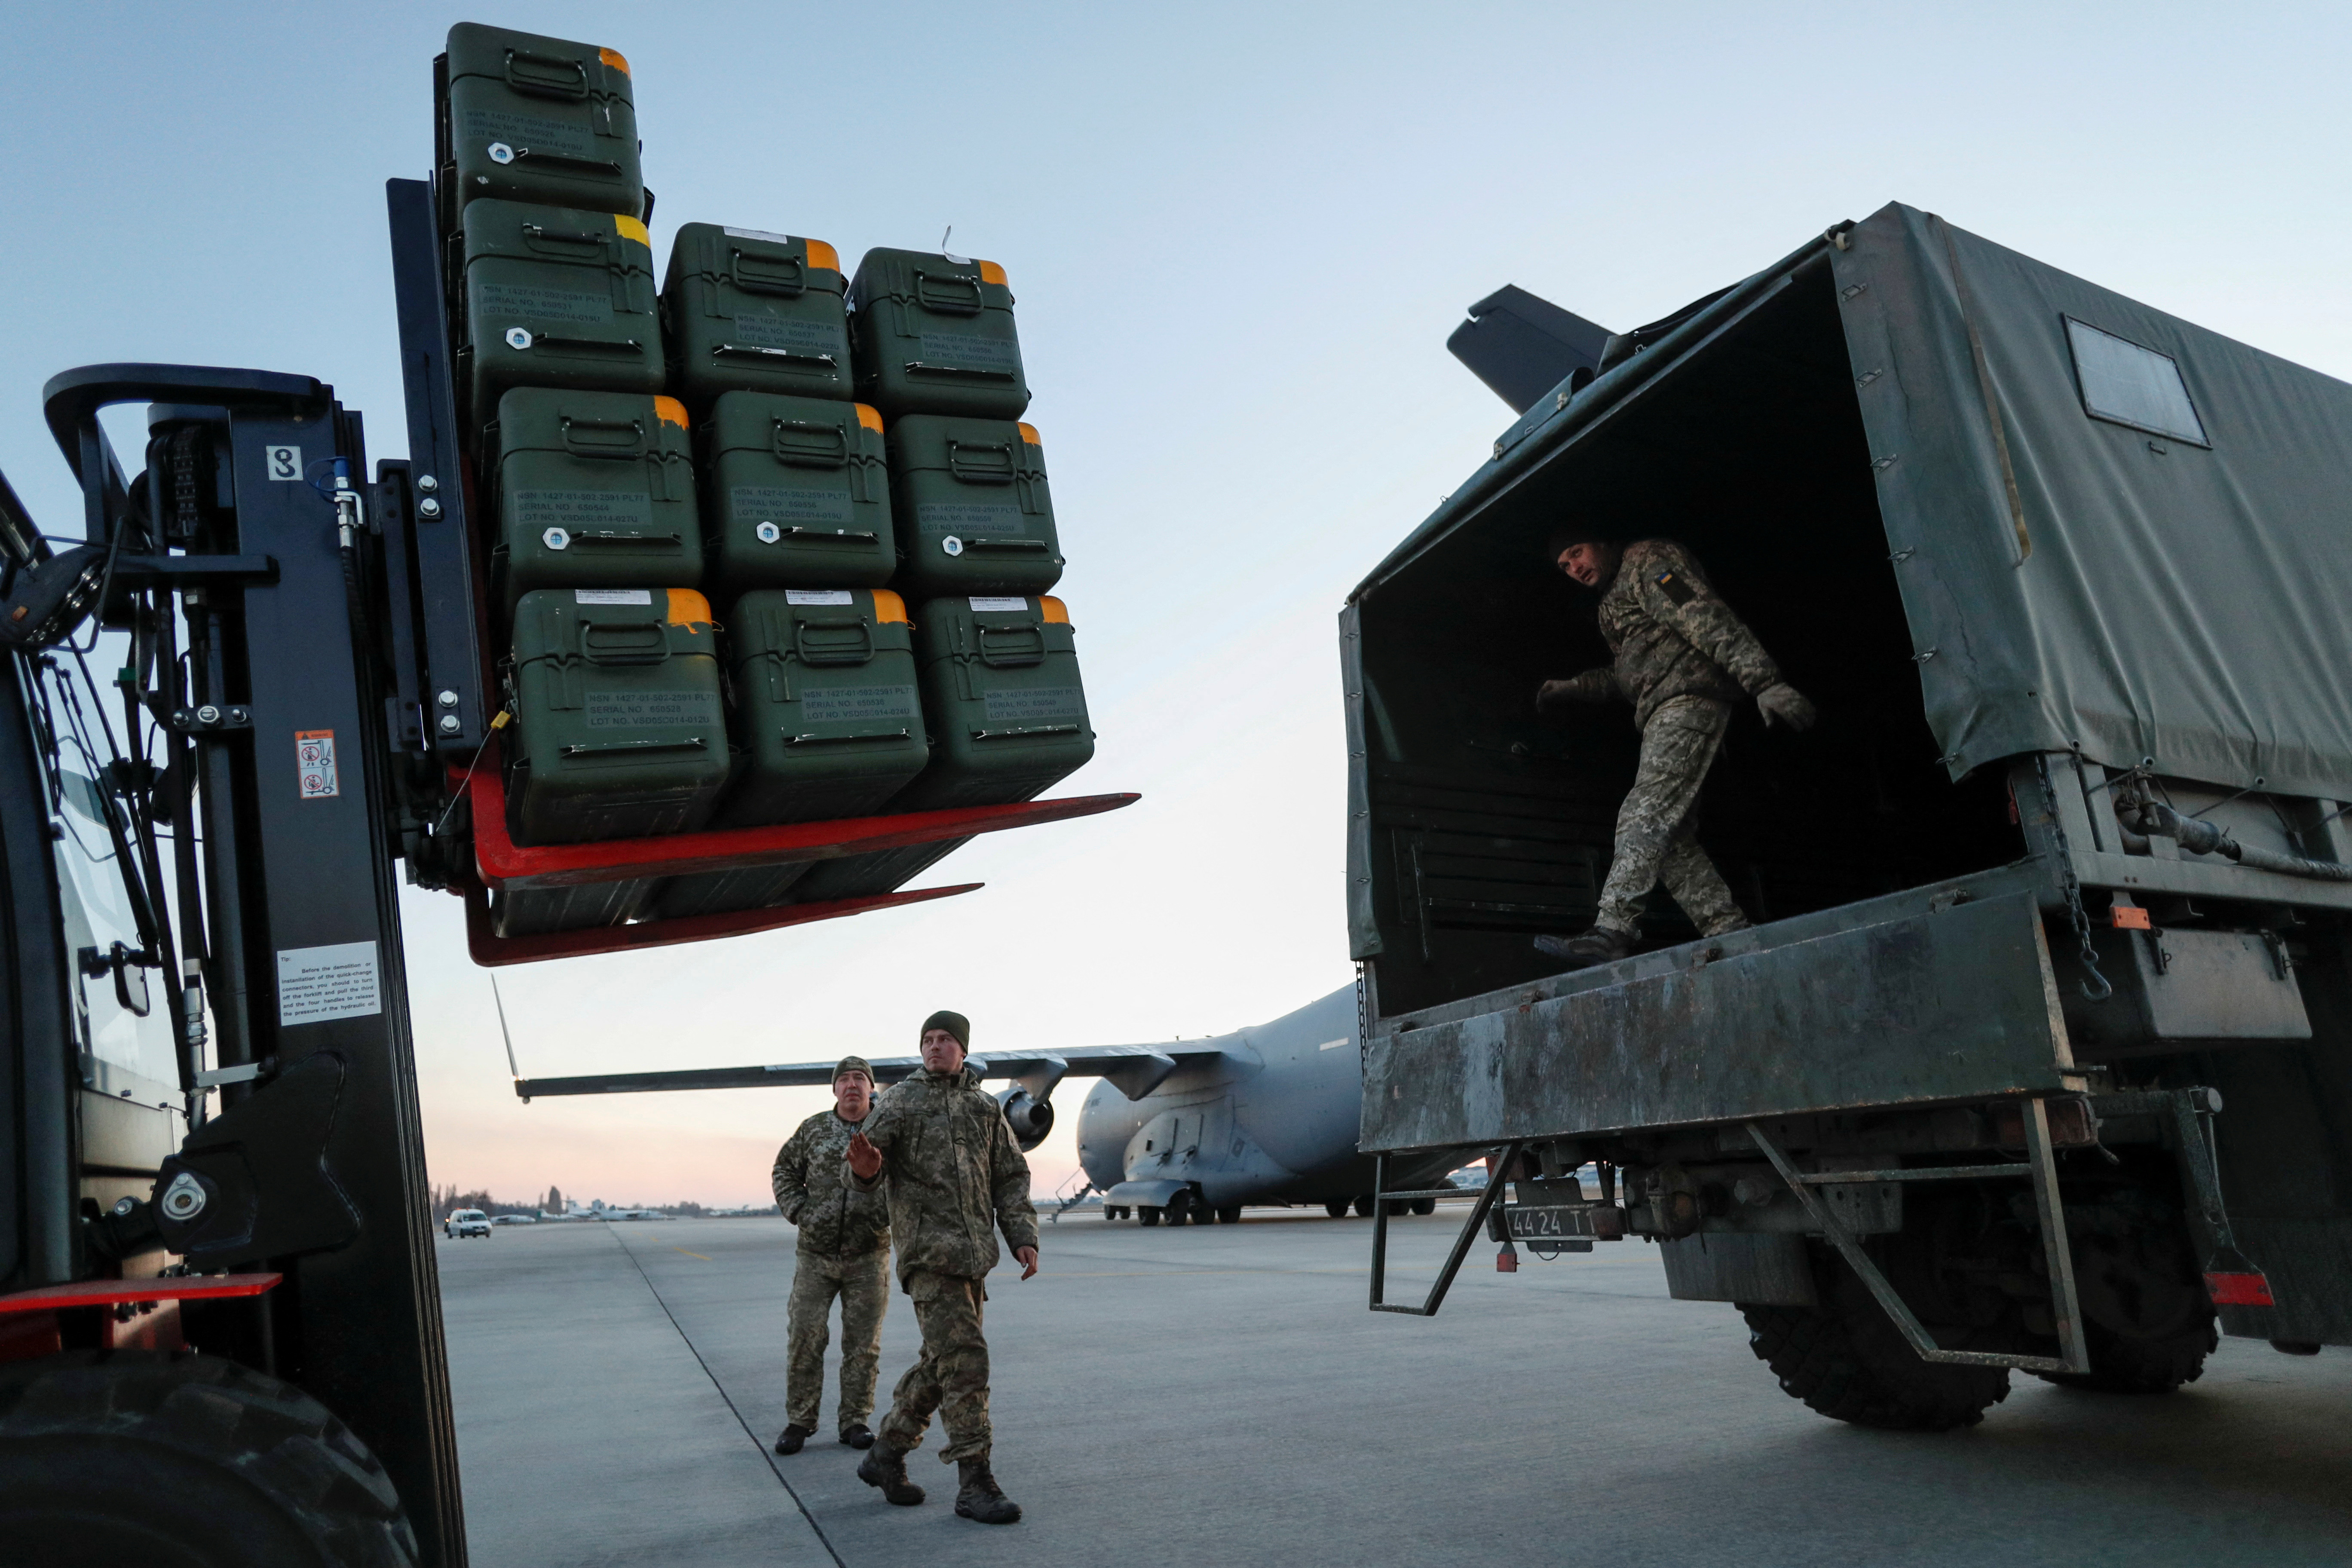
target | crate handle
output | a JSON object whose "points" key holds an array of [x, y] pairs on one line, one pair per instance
{"points": [[861, 654], [608, 537], [999, 468], [984, 542], [824, 535], [623, 642], [917, 367], [623, 348], [1012, 658], [752, 282], [693, 743], [603, 438], [1029, 729], [949, 294], [810, 457], [567, 161], [744, 351], [548, 76], [861, 735], [561, 242]]}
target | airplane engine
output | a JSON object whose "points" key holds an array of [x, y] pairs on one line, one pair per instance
{"points": [[1030, 1119]]}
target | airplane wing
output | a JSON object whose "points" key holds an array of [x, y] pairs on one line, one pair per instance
{"points": [[1134, 1071]]}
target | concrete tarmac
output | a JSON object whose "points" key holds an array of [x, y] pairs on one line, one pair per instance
{"points": [[1218, 1395]]}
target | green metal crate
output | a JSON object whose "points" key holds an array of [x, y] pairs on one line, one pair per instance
{"points": [[799, 495], [933, 334], [557, 297], [828, 724], [534, 119], [746, 311], [616, 698], [595, 490], [1007, 716], [974, 511]]}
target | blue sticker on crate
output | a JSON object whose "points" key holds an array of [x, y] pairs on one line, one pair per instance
{"points": [[610, 710], [1037, 703], [766, 329], [857, 704], [496, 304], [578, 510], [531, 132], [775, 503], [967, 517], [972, 352]]}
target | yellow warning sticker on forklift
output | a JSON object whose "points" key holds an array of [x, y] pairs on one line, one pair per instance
{"points": [[314, 765], [316, 984]]}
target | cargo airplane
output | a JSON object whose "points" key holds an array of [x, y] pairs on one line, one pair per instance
{"points": [[1185, 1129]]}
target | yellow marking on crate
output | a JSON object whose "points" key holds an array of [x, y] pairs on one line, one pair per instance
{"points": [[820, 254], [687, 609], [689, 1254], [870, 417], [1029, 436], [614, 58], [672, 410], [628, 227], [990, 272], [889, 607], [1054, 610]]}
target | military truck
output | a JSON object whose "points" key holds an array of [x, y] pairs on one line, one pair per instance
{"points": [[2036, 1057]]}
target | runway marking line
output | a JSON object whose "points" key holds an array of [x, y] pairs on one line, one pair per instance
{"points": [[689, 1254]]}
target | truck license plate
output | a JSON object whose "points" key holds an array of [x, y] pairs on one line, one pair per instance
{"points": [[1565, 1221]]}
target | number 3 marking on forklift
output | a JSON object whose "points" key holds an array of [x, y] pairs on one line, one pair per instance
{"points": [[285, 462]]}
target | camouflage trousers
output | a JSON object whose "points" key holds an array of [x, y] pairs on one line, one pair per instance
{"points": [[864, 1286], [1658, 827], [950, 1376]]}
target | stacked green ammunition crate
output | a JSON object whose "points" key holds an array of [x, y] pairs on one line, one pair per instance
{"points": [[839, 467]]}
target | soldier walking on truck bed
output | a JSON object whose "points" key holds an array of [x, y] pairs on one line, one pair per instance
{"points": [[1682, 659], [844, 1251], [956, 1176]]}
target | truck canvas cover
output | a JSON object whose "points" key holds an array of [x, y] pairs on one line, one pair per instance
{"points": [[2114, 531]]}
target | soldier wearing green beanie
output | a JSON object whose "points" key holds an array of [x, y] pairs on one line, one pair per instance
{"points": [[844, 1251], [956, 1173]]}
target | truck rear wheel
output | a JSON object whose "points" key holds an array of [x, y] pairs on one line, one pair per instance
{"points": [[181, 1460], [2147, 1321], [1846, 1360]]}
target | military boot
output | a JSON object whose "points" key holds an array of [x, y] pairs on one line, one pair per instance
{"points": [[857, 1434], [790, 1439], [980, 1497], [886, 1467], [1598, 945]]}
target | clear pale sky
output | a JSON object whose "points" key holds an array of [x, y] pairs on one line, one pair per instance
{"points": [[1239, 236]]}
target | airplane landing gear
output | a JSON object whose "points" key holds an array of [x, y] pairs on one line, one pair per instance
{"points": [[1147, 1214], [1337, 1208]]}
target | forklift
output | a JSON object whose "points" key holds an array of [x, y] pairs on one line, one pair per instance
{"points": [[255, 687]]}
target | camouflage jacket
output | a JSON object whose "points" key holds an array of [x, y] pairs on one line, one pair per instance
{"points": [[834, 1220], [956, 1174], [1673, 636]]}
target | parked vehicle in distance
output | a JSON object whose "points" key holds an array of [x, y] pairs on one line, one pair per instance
{"points": [[463, 1223]]}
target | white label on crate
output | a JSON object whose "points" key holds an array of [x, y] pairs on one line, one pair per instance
{"points": [[999, 604], [611, 596], [1028, 704], [314, 765], [316, 984], [283, 462], [816, 597], [758, 233]]}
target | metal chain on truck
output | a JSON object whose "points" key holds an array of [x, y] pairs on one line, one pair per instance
{"points": [[2095, 987]]}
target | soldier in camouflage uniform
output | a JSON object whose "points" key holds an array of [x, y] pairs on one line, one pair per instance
{"points": [[1682, 659], [844, 1251], [956, 1175]]}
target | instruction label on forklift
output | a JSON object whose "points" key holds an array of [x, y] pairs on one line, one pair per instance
{"points": [[314, 765], [316, 984]]}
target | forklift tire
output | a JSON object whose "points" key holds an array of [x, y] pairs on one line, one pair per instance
{"points": [[172, 1458], [1846, 1360]]}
